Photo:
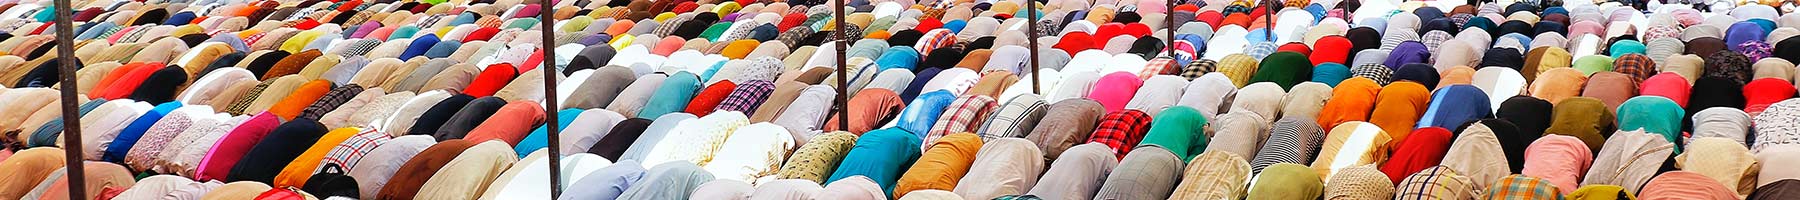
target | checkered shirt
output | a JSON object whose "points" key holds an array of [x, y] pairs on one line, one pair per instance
{"points": [[1159, 66], [936, 38], [1121, 130], [346, 154], [1639, 66], [1199, 68], [331, 101], [746, 97], [965, 114], [1434, 39], [1238, 67], [1522, 187], [1260, 50], [1434, 183], [1376, 72]]}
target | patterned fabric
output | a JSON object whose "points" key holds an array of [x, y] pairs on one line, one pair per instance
{"points": [[1521, 187], [1774, 126], [1260, 50], [1376, 72], [243, 102], [143, 155], [1015, 119], [1159, 66], [360, 47], [815, 160], [346, 154], [1019, 197], [793, 36], [1121, 130], [747, 96], [1213, 175], [1756, 50], [1359, 182], [1639, 66], [1435, 183], [1655, 32], [1728, 65], [938, 38], [331, 101], [1238, 67], [1183, 51], [1293, 140], [1394, 38], [965, 114], [1199, 68], [1434, 39]]}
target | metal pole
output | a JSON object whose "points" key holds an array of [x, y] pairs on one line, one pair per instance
{"points": [[1169, 26], [551, 130], [842, 44], [1031, 34], [65, 56], [1269, 21]]}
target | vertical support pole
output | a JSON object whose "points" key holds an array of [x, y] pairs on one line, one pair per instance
{"points": [[1269, 21], [65, 57], [551, 131], [843, 41], [1170, 26], [1031, 34]]}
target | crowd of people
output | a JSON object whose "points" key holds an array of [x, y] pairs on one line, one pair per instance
{"points": [[739, 99]]}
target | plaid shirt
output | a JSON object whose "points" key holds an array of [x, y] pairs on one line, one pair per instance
{"points": [[1121, 130], [1434, 39], [243, 102], [1159, 66], [1638, 66], [965, 114], [1435, 183], [1238, 67], [347, 153], [1260, 50], [1015, 119], [1199, 68], [1522, 187], [934, 39], [1376, 72], [746, 97], [331, 101]]}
